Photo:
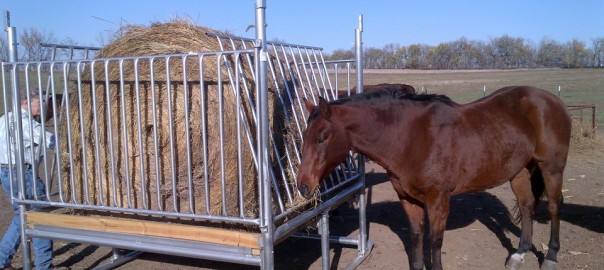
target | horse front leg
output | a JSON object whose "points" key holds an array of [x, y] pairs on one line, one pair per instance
{"points": [[438, 210], [415, 214]]}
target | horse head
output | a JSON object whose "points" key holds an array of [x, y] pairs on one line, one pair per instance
{"points": [[325, 146]]}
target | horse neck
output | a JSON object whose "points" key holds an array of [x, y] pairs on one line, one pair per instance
{"points": [[363, 129]]}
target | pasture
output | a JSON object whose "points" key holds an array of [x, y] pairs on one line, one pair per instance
{"points": [[578, 86]]}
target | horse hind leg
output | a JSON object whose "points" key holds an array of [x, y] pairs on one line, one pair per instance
{"points": [[527, 194], [553, 177]]}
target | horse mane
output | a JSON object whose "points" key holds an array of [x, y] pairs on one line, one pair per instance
{"points": [[392, 94], [385, 94]]}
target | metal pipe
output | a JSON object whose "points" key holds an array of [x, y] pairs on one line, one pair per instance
{"points": [[361, 160], [266, 214], [341, 240], [117, 259], [12, 57], [149, 244], [124, 126], [324, 226], [289, 227]]}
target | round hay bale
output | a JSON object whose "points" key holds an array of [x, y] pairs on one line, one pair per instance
{"points": [[121, 156]]}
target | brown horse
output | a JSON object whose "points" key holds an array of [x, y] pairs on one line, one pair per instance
{"points": [[433, 148]]}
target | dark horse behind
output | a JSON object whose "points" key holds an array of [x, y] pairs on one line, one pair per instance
{"points": [[393, 87], [433, 148]]}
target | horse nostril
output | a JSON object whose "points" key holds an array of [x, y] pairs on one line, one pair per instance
{"points": [[305, 190]]}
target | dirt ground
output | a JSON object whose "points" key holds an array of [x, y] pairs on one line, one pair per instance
{"points": [[479, 235]]}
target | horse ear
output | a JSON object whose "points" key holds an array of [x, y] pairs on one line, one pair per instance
{"points": [[308, 105], [324, 108]]}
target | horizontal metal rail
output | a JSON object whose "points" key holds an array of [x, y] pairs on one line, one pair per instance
{"points": [[149, 244]]}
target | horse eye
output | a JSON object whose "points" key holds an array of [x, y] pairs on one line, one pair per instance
{"points": [[322, 138]]}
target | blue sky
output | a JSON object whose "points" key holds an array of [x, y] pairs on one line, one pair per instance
{"points": [[328, 24]]}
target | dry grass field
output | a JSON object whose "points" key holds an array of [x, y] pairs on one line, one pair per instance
{"points": [[578, 86]]}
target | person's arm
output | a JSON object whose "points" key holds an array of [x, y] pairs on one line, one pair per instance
{"points": [[38, 133]]}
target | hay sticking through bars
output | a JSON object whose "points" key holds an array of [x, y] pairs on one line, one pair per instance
{"points": [[123, 156], [582, 134]]}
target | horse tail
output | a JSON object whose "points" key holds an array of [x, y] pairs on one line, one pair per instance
{"points": [[538, 190]]}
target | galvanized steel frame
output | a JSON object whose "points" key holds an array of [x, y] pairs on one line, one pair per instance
{"points": [[270, 60]]}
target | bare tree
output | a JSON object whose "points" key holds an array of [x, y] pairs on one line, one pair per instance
{"points": [[575, 55], [598, 52], [510, 52], [393, 56], [30, 42], [342, 54], [373, 57], [443, 56], [549, 53], [501, 52], [417, 56]]}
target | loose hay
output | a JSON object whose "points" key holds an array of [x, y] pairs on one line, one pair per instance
{"points": [[582, 134], [122, 156]]}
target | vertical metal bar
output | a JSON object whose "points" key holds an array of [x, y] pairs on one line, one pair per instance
{"points": [[336, 72], [362, 199], [44, 98], [109, 138], [348, 78], [171, 134], [272, 139], [324, 227], [141, 155], [58, 137], [30, 131], [188, 135], [70, 148], [126, 154], [43, 106], [314, 73], [245, 85], [95, 119], [85, 179], [266, 214], [239, 144], [12, 57], [204, 132], [97, 153], [221, 133], [158, 174]]}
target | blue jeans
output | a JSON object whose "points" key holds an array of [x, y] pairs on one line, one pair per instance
{"points": [[12, 238]]}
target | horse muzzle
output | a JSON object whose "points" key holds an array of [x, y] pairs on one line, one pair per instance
{"points": [[306, 191]]}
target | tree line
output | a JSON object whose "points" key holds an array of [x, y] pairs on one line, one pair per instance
{"points": [[503, 52], [30, 48]]}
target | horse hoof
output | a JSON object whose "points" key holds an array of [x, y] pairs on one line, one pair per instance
{"points": [[514, 263], [549, 265]]}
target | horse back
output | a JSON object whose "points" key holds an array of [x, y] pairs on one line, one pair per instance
{"points": [[549, 119], [535, 115], [505, 130]]}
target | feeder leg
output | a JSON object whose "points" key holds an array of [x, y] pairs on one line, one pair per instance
{"points": [[324, 227]]}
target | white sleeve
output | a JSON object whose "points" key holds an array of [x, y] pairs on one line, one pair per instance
{"points": [[38, 132]]}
